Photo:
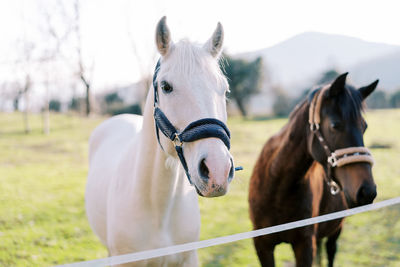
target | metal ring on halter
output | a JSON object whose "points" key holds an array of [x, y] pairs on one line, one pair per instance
{"points": [[333, 160], [334, 187], [314, 127], [177, 141]]}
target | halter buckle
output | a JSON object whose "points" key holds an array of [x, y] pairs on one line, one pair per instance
{"points": [[334, 187], [177, 141], [333, 160], [314, 127]]}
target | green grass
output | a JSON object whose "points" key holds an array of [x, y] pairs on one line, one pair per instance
{"points": [[42, 182]]}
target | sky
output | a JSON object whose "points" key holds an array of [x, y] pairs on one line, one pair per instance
{"points": [[111, 27]]}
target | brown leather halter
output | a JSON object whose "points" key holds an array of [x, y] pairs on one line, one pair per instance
{"points": [[339, 157]]}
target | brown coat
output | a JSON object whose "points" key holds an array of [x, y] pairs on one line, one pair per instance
{"points": [[288, 185]]}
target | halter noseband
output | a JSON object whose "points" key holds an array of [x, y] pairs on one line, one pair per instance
{"points": [[200, 129], [339, 157]]}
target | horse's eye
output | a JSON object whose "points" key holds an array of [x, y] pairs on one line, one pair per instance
{"points": [[336, 125], [166, 87]]}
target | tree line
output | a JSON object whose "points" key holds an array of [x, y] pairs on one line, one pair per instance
{"points": [[245, 78], [380, 99], [54, 48], [51, 56]]}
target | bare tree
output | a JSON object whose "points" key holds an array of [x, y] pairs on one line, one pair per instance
{"points": [[26, 90], [82, 70], [69, 38], [46, 107], [144, 60], [51, 53], [144, 67], [36, 53], [24, 66]]}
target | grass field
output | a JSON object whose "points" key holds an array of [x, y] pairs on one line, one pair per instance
{"points": [[42, 181]]}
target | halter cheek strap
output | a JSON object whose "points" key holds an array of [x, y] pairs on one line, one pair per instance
{"points": [[339, 157], [200, 129]]}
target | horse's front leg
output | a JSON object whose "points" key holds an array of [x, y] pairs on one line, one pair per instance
{"points": [[265, 250], [304, 251], [331, 247], [190, 259]]}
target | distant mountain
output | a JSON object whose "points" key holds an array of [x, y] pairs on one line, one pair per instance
{"points": [[300, 60], [386, 68]]}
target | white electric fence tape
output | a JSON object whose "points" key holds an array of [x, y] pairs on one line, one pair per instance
{"points": [[148, 254]]}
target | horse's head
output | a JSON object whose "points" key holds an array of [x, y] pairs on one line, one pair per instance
{"points": [[191, 87], [342, 127]]}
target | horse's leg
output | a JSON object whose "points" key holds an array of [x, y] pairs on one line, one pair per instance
{"points": [[331, 246], [265, 251], [318, 257], [304, 251], [190, 259]]}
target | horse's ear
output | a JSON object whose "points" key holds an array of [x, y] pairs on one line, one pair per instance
{"points": [[163, 36], [367, 90], [214, 44], [338, 85]]}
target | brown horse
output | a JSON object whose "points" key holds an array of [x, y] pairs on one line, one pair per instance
{"points": [[297, 175]]}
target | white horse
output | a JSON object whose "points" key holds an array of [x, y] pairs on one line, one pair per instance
{"points": [[137, 195]]}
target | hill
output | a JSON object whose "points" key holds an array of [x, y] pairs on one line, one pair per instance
{"points": [[298, 61], [386, 68]]}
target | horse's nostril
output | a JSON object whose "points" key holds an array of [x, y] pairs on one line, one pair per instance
{"points": [[366, 195], [203, 169]]}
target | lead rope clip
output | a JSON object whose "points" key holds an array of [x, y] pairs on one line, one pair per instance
{"points": [[239, 168], [334, 187]]}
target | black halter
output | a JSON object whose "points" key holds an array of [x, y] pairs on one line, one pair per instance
{"points": [[200, 129]]}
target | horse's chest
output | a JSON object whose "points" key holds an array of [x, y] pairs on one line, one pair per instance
{"points": [[142, 229], [181, 227]]}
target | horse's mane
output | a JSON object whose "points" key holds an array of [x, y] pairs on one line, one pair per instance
{"points": [[189, 58], [298, 108]]}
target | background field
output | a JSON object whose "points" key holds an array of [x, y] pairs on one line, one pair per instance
{"points": [[42, 181]]}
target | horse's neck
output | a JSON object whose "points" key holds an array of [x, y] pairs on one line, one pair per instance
{"points": [[293, 158], [160, 185]]}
